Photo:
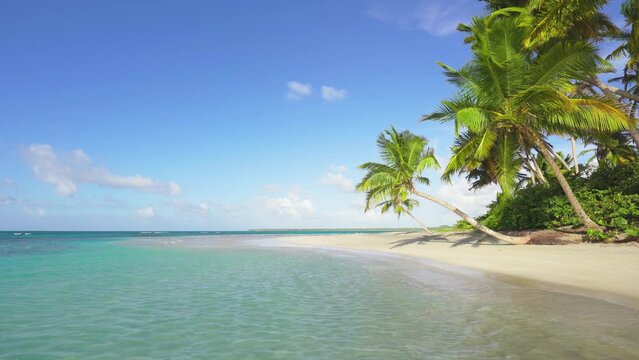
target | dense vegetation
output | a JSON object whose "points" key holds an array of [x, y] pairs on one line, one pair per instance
{"points": [[534, 73], [610, 195]]}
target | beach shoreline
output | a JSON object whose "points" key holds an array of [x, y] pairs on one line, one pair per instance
{"points": [[601, 271]]}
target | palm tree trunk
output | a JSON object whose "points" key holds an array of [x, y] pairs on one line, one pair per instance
{"points": [[426, 229], [540, 174], [561, 160], [634, 134], [633, 109], [573, 144], [509, 239], [533, 176], [583, 217], [612, 89], [609, 92]]}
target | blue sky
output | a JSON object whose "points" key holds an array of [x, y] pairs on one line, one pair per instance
{"points": [[201, 115]]}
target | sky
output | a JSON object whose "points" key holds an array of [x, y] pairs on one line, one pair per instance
{"points": [[218, 115]]}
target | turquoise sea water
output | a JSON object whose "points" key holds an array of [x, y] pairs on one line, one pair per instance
{"points": [[230, 296]]}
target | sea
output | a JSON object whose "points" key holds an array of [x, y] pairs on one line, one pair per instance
{"points": [[247, 295]]}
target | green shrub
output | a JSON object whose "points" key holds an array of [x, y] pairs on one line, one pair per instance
{"points": [[546, 206], [463, 225], [622, 178], [632, 232], [598, 235]]}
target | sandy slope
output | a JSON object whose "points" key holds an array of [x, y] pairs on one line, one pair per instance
{"points": [[609, 272]]}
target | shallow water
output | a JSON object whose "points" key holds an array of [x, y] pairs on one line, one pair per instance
{"points": [[111, 297]]}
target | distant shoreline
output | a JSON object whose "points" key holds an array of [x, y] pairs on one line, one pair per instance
{"points": [[606, 272], [340, 229]]}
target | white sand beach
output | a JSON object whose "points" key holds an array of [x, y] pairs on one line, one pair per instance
{"points": [[608, 272]]}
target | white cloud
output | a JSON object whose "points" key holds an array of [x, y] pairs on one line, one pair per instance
{"points": [[333, 94], [147, 212], [335, 177], [38, 212], [474, 203], [291, 205], [339, 168], [200, 209], [354, 211], [66, 171], [8, 182], [437, 17], [271, 188], [110, 201], [297, 90], [6, 200], [232, 209]]}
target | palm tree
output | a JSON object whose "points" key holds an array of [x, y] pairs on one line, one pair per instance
{"points": [[506, 90], [541, 171], [405, 156], [532, 170], [553, 20], [612, 149], [610, 92], [400, 206], [629, 80], [488, 173], [558, 20], [573, 147], [493, 5], [500, 166], [630, 38], [630, 49]]}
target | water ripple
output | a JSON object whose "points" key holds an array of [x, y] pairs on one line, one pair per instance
{"points": [[111, 302]]}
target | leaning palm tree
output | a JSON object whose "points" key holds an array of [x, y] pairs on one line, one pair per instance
{"points": [[405, 157], [506, 90]]}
